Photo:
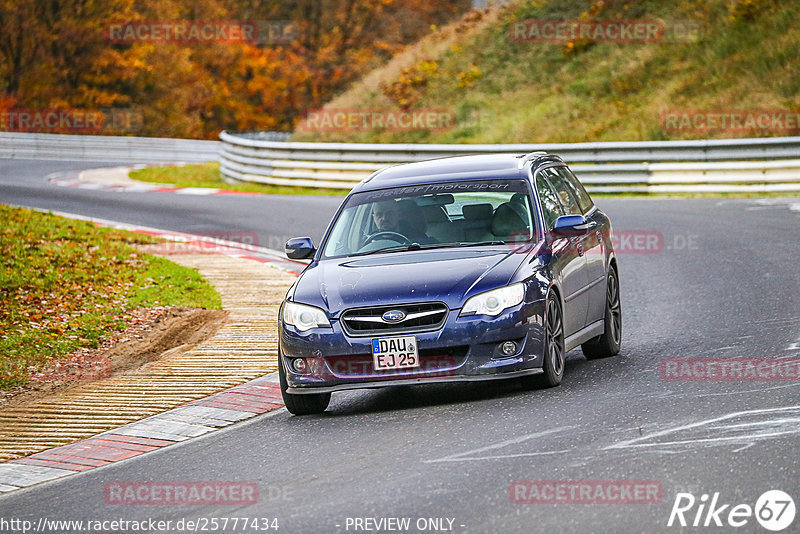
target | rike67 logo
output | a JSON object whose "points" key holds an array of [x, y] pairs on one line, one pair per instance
{"points": [[774, 510]]}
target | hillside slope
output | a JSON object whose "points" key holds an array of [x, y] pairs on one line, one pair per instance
{"points": [[713, 56]]}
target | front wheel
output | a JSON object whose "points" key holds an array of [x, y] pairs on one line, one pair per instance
{"points": [[554, 354], [301, 404], [609, 343]]}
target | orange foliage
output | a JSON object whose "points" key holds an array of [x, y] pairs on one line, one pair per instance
{"points": [[57, 54]]}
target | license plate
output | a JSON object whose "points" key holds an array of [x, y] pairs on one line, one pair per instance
{"points": [[395, 353]]}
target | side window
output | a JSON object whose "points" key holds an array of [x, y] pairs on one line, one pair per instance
{"points": [[565, 195], [584, 200], [551, 208]]}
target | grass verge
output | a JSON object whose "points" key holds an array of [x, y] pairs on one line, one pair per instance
{"points": [[713, 58], [67, 285], [208, 175]]}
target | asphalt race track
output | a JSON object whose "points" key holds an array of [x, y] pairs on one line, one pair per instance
{"points": [[722, 281], [25, 183]]}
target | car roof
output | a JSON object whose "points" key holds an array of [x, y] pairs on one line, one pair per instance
{"points": [[454, 169]]}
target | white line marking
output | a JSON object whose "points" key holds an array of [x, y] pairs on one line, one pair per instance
{"points": [[744, 433], [459, 457], [724, 394]]}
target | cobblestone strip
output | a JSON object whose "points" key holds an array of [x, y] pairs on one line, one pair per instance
{"points": [[122, 416]]}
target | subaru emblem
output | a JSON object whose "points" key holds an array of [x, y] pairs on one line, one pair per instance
{"points": [[394, 316]]}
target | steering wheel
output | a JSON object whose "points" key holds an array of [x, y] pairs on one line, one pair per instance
{"points": [[385, 234]]}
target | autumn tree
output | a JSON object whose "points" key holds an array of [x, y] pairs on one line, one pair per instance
{"points": [[56, 53]]}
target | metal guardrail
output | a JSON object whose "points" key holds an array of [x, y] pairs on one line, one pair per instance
{"points": [[106, 148], [720, 165]]}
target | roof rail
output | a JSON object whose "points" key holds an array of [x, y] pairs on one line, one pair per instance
{"points": [[529, 157]]}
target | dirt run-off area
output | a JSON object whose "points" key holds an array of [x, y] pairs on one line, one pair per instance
{"points": [[152, 333]]}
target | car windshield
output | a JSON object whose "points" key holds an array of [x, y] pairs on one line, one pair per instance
{"points": [[450, 214]]}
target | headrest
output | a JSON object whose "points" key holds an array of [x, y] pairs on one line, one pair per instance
{"points": [[507, 223], [480, 212], [411, 218]]}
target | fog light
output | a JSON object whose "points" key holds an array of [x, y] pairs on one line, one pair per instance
{"points": [[299, 365], [508, 348]]}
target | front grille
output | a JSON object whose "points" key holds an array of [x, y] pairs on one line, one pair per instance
{"points": [[419, 318], [436, 362]]}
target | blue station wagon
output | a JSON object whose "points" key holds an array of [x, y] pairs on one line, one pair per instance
{"points": [[450, 270]]}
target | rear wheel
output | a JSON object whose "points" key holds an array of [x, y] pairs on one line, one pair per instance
{"points": [[609, 343], [301, 404], [554, 354]]}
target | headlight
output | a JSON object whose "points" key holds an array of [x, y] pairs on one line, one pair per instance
{"points": [[304, 317], [495, 301]]}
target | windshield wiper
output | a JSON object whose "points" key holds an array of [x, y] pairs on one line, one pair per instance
{"points": [[396, 248], [404, 248], [482, 243], [417, 246]]}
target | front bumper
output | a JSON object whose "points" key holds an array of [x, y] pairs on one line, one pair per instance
{"points": [[464, 349]]}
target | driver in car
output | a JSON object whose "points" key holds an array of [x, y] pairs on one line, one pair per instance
{"points": [[386, 216], [401, 217]]}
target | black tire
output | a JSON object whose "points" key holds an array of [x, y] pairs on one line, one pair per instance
{"points": [[554, 354], [610, 342], [307, 404]]}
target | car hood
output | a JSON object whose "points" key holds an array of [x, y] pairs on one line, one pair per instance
{"points": [[450, 276]]}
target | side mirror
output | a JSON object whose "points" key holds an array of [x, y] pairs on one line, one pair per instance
{"points": [[300, 248], [570, 226]]}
